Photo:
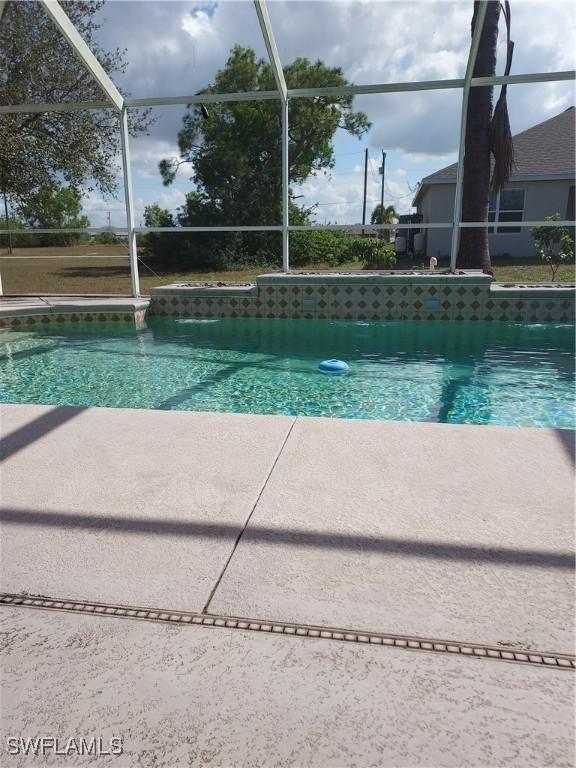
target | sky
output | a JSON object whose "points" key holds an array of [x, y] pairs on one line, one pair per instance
{"points": [[176, 48]]}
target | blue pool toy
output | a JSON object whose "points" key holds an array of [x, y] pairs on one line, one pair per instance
{"points": [[333, 366]]}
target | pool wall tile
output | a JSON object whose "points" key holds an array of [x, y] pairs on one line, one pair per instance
{"points": [[542, 310], [371, 296], [30, 313]]}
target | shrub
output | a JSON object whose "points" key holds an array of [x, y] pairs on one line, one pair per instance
{"points": [[553, 244], [374, 254], [108, 238], [17, 240], [323, 247]]}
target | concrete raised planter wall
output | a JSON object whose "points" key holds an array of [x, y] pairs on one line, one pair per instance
{"points": [[397, 295]]}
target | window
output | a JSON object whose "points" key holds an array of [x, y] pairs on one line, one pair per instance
{"points": [[506, 205]]}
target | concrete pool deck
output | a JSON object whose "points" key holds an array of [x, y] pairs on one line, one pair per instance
{"points": [[446, 532]]}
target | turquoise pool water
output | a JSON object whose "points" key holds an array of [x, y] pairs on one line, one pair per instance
{"points": [[464, 373]]}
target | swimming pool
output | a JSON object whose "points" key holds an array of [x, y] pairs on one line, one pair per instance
{"points": [[462, 372]]}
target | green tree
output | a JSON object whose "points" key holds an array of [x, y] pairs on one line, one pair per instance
{"points": [[553, 244], [53, 208], [236, 149], [164, 246], [212, 250], [42, 150]]}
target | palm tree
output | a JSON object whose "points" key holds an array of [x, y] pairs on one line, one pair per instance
{"points": [[487, 134], [384, 214]]}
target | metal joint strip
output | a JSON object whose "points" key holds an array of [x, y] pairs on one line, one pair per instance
{"points": [[471, 650]]}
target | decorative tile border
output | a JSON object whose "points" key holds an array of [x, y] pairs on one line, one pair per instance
{"points": [[21, 322], [469, 296], [424, 296]]}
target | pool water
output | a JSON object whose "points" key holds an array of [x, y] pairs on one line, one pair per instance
{"points": [[463, 373]]}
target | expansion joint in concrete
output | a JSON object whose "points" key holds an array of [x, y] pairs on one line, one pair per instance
{"points": [[247, 521]]}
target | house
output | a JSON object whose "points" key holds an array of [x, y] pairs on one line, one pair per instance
{"points": [[542, 184], [361, 230]]}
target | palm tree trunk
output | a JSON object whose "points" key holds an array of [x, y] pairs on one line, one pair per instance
{"points": [[474, 252]]}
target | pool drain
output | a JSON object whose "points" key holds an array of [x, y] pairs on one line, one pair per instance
{"points": [[471, 650]]}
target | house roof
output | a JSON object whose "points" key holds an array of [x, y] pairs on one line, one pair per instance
{"points": [[545, 150]]}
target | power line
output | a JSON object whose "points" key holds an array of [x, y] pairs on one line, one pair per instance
{"points": [[374, 173]]}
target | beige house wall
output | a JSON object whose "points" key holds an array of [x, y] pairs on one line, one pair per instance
{"points": [[542, 198]]}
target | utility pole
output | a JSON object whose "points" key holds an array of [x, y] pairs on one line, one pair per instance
{"points": [[365, 185], [381, 170], [109, 221]]}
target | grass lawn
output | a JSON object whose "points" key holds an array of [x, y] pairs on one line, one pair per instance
{"points": [[55, 270]]}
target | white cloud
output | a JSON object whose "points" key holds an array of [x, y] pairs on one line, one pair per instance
{"points": [[147, 153], [99, 209], [201, 28]]}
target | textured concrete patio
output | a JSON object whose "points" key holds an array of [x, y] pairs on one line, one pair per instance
{"points": [[182, 696], [461, 533]]}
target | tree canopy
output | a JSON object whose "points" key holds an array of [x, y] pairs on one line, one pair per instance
{"points": [[55, 208], [48, 208], [42, 150], [236, 150]]}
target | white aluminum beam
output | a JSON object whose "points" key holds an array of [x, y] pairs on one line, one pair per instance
{"points": [[269, 40], [2, 9], [292, 228], [271, 47], [63, 106], [510, 224], [59, 230], [482, 8], [355, 90], [212, 98], [143, 230], [202, 98], [71, 34], [369, 227], [430, 85], [62, 256], [129, 197], [533, 77], [352, 90], [285, 189]]}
